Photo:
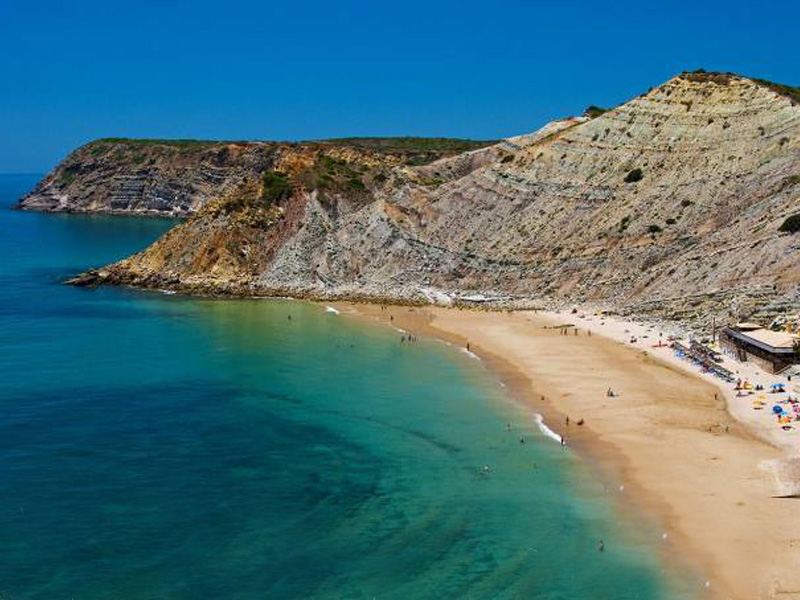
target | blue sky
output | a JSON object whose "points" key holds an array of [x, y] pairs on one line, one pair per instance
{"points": [[76, 71]]}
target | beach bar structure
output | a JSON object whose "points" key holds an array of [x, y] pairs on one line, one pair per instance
{"points": [[773, 351]]}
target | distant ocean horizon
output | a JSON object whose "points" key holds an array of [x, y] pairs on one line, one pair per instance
{"points": [[157, 446]]}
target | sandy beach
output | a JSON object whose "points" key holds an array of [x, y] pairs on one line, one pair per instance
{"points": [[705, 474]]}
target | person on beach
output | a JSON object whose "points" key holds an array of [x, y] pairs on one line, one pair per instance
{"points": [[467, 346], [563, 442], [566, 421]]}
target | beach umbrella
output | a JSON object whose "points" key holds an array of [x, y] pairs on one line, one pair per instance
{"points": [[777, 386], [777, 409]]}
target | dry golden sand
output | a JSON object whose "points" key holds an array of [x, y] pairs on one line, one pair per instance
{"points": [[664, 435]]}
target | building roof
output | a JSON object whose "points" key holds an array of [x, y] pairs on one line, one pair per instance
{"points": [[746, 326], [776, 339], [777, 342]]}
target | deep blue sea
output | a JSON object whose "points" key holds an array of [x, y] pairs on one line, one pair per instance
{"points": [[163, 447]]}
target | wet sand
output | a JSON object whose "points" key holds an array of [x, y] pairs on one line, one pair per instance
{"points": [[666, 435]]}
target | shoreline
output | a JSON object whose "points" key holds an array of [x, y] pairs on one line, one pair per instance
{"points": [[758, 423], [663, 436]]}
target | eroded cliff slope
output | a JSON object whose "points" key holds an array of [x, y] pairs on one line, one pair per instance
{"points": [[670, 204], [177, 177]]}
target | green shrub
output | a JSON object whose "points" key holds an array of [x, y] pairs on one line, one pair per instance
{"points": [[634, 175], [654, 229], [354, 183], [791, 224], [686, 203], [594, 111], [67, 176], [275, 187], [671, 221]]}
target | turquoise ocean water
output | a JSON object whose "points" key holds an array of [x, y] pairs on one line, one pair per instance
{"points": [[161, 447]]}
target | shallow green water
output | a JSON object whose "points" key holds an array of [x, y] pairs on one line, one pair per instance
{"points": [[154, 446]]}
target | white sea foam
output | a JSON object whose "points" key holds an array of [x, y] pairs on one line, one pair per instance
{"points": [[545, 429], [167, 292], [332, 310], [470, 354]]}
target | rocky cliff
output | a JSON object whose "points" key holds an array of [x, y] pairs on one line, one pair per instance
{"points": [[177, 177], [671, 204]]}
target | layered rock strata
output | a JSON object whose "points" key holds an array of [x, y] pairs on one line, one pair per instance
{"points": [[669, 205]]}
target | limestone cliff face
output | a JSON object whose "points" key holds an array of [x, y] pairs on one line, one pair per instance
{"points": [[177, 177], [171, 178], [669, 204], [719, 159]]}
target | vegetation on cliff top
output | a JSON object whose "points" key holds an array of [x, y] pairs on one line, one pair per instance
{"points": [[721, 78], [593, 111], [378, 144], [789, 91], [411, 150], [411, 144], [160, 141], [178, 143]]}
